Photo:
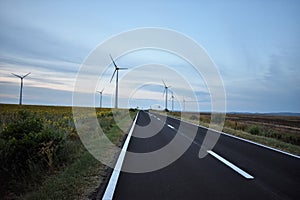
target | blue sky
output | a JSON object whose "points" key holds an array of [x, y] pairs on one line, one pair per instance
{"points": [[254, 44]]}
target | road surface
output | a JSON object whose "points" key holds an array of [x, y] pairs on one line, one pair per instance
{"points": [[233, 169]]}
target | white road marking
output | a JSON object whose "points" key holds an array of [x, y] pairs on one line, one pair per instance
{"points": [[223, 160], [158, 118], [171, 126], [232, 166], [267, 147], [239, 138], [226, 162], [110, 189]]}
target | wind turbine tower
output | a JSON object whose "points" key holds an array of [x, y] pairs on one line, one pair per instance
{"points": [[166, 91], [183, 104], [100, 101], [21, 90], [172, 98], [116, 70]]}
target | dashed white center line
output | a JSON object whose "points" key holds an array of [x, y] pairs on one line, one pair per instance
{"points": [[158, 118], [171, 126], [223, 160], [232, 166]]}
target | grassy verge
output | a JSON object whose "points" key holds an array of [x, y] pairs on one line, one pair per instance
{"points": [[73, 182], [271, 142], [82, 177], [42, 157], [251, 133]]}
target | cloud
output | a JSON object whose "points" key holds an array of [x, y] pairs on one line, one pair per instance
{"points": [[283, 72], [45, 75], [31, 41]]}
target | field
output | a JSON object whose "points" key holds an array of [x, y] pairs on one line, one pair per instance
{"points": [[42, 156], [281, 132]]}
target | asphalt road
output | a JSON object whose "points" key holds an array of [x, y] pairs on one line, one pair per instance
{"points": [[274, 175]]}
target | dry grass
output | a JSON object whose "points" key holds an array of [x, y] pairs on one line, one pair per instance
{"points": [[281, 132], [82, 174]]}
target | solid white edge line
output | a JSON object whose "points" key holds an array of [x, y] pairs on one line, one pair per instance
{"points": [[110, 189], [239, 138], [232, 166]]}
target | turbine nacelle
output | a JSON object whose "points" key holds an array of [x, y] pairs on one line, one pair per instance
{"points": [[166, 91], [21, 89], [165, 87], [21, 77], [116, 70], [100, 92]]}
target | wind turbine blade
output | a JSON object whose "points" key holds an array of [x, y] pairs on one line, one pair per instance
{"points": [[113, 61], [113, 75], [164, 83], [16, 75], [102, 90], [123, 68], [172, 96], [26, 74], [164, 92]]}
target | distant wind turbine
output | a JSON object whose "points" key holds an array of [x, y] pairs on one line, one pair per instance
{"points": [[172, 98], [100, 101], [116, 70], [166, 91], [183, 104], [21, 90]]}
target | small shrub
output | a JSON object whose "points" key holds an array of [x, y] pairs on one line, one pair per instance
{"points": [[205, 119], [193, 117], [231, 124], [218, 118], [253, 129], [26, 146], [241, 126], [133, 110]]}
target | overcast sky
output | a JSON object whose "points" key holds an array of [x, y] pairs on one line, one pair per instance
{"points": [[255, 45]]}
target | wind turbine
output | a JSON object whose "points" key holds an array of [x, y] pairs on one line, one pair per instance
{"points": [[166, 91], [21, 90], [172, 98], [116, 70], [183, 104], [100, 101]]}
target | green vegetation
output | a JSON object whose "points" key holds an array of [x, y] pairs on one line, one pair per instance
{"points": [[40, 151], [271, 142], [253, 129], [280, 132], [26, 147]]}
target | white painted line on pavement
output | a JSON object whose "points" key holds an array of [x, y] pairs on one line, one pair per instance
{"points": [[267, 147], [171, 126], [232, 166], [110, 189], [158, 118], [239, 138]]}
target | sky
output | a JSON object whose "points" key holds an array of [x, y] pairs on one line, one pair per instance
{"points": [[255, 46]]}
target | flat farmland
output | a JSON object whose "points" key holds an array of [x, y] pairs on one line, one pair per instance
{"points": [[290, 124]]}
